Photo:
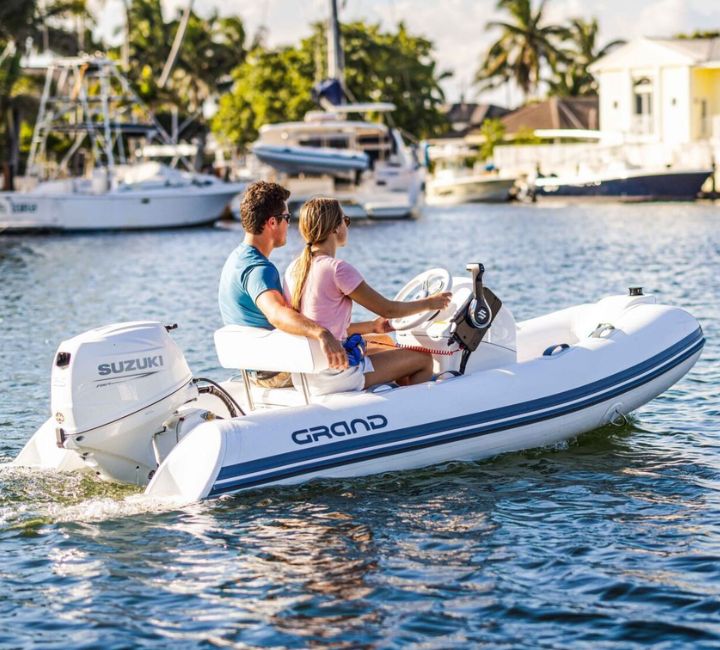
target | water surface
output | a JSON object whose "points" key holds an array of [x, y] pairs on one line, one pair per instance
{"points": [[609, 541]]}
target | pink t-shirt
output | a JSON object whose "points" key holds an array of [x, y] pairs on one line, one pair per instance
{"points": [[325, 297]]}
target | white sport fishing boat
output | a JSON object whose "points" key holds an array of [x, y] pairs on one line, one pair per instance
{"points": [[126, 406], [88, 99]]}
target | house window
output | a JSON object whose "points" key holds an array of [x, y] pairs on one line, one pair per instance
{"points": [[642, 106]]}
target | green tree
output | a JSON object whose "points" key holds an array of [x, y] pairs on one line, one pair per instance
{"points": [[270, 86], [493, 133], [524, 46], [571, 75], [210, 49], [526, 135], [23, 22], [397, 67], [699, 33], [148, 41], [275, 85]]}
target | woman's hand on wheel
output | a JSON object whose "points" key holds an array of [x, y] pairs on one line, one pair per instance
{"points": [[438, 301]]}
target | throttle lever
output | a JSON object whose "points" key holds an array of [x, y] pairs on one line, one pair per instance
{"points": [[478, 311]]}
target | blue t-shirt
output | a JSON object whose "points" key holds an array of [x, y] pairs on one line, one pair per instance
{"points": [[247, 273]]}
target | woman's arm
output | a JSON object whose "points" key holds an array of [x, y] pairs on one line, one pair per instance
{"points": [[378, 326], [366, 296]]}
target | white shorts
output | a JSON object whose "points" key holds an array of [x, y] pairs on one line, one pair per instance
{"points": [[336, 381]]}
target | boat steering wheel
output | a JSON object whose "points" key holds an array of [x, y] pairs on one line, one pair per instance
{"points": [[421, 286]]}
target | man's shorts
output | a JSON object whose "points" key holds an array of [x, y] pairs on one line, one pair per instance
{"points": [[336, 381]]}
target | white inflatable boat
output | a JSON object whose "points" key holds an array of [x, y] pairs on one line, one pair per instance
{"points": [[311, 160], [126, 406]]}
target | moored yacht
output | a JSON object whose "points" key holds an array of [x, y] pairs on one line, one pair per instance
{"points": [[366, 165], [626, 183]]}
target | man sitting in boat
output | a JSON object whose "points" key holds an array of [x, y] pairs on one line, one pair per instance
{"points": [[323, 288], [250, 291]]}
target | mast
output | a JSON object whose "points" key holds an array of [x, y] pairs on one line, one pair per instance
{"points": [[179, 35], [335, 55]]}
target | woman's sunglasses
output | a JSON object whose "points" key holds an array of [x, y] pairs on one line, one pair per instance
{"points": [[347, 221]]}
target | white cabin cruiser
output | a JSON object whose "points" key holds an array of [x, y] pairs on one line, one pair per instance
{"points": [[126, 405], [98, 185], [366, 165]]}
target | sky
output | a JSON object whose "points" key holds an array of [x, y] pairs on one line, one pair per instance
{"points": [[456, 27]]}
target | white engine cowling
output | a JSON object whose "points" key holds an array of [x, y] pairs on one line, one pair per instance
{"points": [[112, 389]]}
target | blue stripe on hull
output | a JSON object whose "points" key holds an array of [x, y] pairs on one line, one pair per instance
{"points": [[560, 402]]}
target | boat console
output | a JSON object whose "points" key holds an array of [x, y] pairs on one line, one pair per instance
{"points": [[474, 332]]}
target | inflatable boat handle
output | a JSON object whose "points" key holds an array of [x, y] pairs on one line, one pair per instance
{"points": [[551, 350], [601, 329]]}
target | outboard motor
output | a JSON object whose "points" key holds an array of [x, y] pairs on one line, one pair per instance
{"points": [[115, 397]]}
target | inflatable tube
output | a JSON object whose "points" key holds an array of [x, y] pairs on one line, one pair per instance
{"points": [[576, 370]]}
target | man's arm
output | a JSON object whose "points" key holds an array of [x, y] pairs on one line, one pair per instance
{"points": [[285, 318]]}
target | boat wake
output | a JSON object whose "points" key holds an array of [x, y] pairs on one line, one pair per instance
{"points": [[30, 499]]}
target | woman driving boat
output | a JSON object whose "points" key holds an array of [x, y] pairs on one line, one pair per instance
{"points": [[323, 288]]}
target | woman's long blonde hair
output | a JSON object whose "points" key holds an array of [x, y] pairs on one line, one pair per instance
{"points": [[319, 217]]}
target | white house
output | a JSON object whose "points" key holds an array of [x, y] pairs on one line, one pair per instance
{"points": [[659, 106], [657, 90]]}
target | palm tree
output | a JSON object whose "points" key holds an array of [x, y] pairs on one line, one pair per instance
{"points": [[571, 77], [524, 46], [22, 22]]}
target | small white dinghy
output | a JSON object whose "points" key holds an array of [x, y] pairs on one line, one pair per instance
{"points": [[126, 405], [311, 160]]}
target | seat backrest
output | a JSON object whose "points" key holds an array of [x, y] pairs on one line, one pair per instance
{"points": [[254, 348]]}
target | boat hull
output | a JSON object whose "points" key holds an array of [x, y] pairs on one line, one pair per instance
{"points": [[115, 210], [532, 403], [490, 190], [659, 186]]}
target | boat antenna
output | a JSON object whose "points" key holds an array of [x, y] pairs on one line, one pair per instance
{"points": [[179, 35]]}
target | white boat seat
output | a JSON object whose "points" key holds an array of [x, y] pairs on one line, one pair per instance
{"points": [[253, 348]]}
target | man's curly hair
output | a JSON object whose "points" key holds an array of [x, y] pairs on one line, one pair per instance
{"points": [[262, 200]]}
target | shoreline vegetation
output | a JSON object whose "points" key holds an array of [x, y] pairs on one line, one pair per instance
{"points": [[207, 75]]}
